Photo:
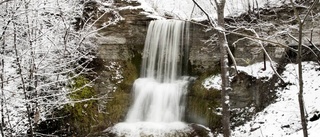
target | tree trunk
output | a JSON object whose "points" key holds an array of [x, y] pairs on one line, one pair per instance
{"points": [[224, 70], [22, 80], [300, 95], [299, 59], [2, 91]]}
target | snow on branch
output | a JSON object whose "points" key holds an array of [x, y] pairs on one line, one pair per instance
{"points": [[257, 39], [41, 55], [212, 22]]}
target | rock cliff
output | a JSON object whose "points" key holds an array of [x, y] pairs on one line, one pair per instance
{"points": [[121, 45]]}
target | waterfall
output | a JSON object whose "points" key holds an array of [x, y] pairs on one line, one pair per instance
{"points": [[159, 94], [164, 50]]}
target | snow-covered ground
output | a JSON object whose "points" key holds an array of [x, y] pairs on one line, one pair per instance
{"points": [[255, 70], [186, 9], [281, 118], [34, 74]]}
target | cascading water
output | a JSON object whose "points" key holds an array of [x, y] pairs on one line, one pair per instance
{"points": [[158, 94], [160, 91]]}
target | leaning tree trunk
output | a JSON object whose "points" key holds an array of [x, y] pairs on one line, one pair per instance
{"points": [[226, 88]]}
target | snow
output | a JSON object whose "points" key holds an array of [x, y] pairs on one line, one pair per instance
{"points": [[213, 82], [46, 62], [279, 119], [255, 70], [186, 9], [282, 118], [116, 68]]}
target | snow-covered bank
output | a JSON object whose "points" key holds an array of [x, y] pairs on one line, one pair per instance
{"points": [[256, 70], [283, 117]]}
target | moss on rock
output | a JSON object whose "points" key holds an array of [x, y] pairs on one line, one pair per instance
{"points": [[82, 115], [202, 103], [119, 104]]}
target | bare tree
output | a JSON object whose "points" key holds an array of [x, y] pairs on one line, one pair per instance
{"points": [[301, 22], [41, 54], [225, 87], [23, 83], [2, 79], [2, 89], [224, 48]]}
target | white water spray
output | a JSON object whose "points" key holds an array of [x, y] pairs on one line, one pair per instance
{"points": [[160, 91]]}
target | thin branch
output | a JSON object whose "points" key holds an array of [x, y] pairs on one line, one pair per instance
{"points": [[2, 2], [212, 22], [77, 101], [309, 10], [192, 11], [233, 60], [252, 37], [295, 39], [313, 44], [258, 38], [318, 59], [296, 11], [4, 30], [216, 2], [271, 65], [266, 53]]}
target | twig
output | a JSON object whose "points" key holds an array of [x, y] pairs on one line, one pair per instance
{"points": [[212, 22], [310, 9], [233, 60], [313, 44], [4, 1], [295, 39]]}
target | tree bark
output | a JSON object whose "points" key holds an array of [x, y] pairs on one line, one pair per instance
{"points": [[226, 88], [2, 91], [300, 95], [299, 59]]}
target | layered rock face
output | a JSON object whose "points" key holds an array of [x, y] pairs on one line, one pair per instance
{"points": [[119, 56], [276, 25], [121, 45]]}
